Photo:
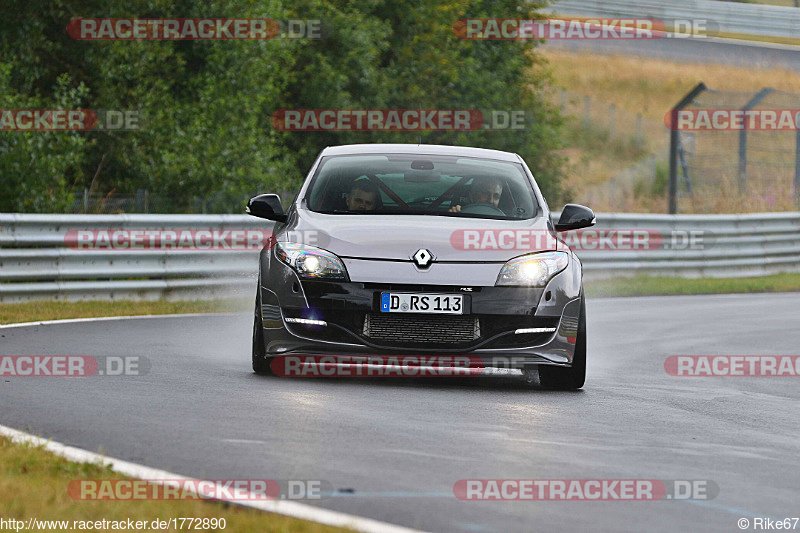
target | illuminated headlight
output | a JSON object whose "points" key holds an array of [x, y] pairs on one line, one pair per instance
{"points": [[311, 262], [534, 270]]}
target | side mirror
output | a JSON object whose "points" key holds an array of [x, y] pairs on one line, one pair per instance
{"points": [[266, 206], [575, 216]]}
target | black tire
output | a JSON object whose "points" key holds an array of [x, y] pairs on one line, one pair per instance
{"points": [[260, 361], [574, 377]]}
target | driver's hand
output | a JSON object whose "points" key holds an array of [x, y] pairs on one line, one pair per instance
{"points": [[455, 209]]}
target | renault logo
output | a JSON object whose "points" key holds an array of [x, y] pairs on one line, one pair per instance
{"points": [[422, 258]]}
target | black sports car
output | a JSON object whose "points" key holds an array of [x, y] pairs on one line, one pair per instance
{"points": [[411, 249]]}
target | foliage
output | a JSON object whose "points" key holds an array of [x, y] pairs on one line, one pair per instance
{"points": [[207, 104]]}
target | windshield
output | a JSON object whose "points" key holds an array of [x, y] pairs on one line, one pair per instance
{"points": [[421, 185]]}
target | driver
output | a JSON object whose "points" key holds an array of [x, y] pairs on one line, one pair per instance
{"points": [[363, 196], [483, 191]]}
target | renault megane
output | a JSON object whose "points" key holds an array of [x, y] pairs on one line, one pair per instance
{"points": [[410, 249]]}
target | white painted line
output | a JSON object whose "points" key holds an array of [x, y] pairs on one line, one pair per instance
{"points": [[109, 318], [287, 508]]}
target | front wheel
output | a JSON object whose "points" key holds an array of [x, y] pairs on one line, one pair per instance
{"points": [[260, 361], [571, 378]]}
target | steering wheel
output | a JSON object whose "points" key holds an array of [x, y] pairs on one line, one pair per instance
{"points": [[482, 208]]}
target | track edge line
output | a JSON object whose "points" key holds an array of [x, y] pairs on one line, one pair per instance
{"points": [[291, 509]]}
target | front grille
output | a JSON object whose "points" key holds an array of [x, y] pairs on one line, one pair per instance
{"points": [[422, 329]]}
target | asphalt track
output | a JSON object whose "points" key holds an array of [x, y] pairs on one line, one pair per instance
{"points": [[399, 445], [726, 51]]}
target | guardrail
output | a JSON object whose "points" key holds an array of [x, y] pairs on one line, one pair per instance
{"points": [[35, 262], [732, 17], [725, 246]]}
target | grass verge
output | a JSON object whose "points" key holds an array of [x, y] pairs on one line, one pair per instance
{"points": [[651, 86], [50, 310], [34, 482], [657, 285]]}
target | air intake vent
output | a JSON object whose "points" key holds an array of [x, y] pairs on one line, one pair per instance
{"points": [[402, 330]]}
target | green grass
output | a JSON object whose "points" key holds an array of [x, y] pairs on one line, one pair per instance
{"points": [[657, 285], [50, 310], [33, 484]]}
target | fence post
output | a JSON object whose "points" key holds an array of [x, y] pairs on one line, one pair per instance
{"points": [[687, 178], [139, 201], [673, 146], [563, 101], [85, 200], [763, 93]]}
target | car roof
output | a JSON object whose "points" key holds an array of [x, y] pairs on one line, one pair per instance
{"points": [[419, 149]]}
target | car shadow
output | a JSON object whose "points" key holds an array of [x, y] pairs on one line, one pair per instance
{"points": [[506, 382]]}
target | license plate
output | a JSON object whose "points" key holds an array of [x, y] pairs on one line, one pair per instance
{"points": [[451, 304]]}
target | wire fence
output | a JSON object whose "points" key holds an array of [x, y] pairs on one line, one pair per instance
{"points": [[733, 158], [637, 186], [611, 121]]}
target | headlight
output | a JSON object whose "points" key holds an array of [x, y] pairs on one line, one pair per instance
{"points": [[533, 270], [311, 262]]}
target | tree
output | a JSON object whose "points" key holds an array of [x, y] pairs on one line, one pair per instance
{"points": [[207, 105]]}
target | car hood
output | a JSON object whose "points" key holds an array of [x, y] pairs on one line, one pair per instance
{"points": [[398, 237]]}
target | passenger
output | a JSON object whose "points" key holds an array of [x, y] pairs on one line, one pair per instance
{"points": [[363, 196]]}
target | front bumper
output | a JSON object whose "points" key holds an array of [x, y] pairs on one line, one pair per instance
{"points": [[497, 313]]}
